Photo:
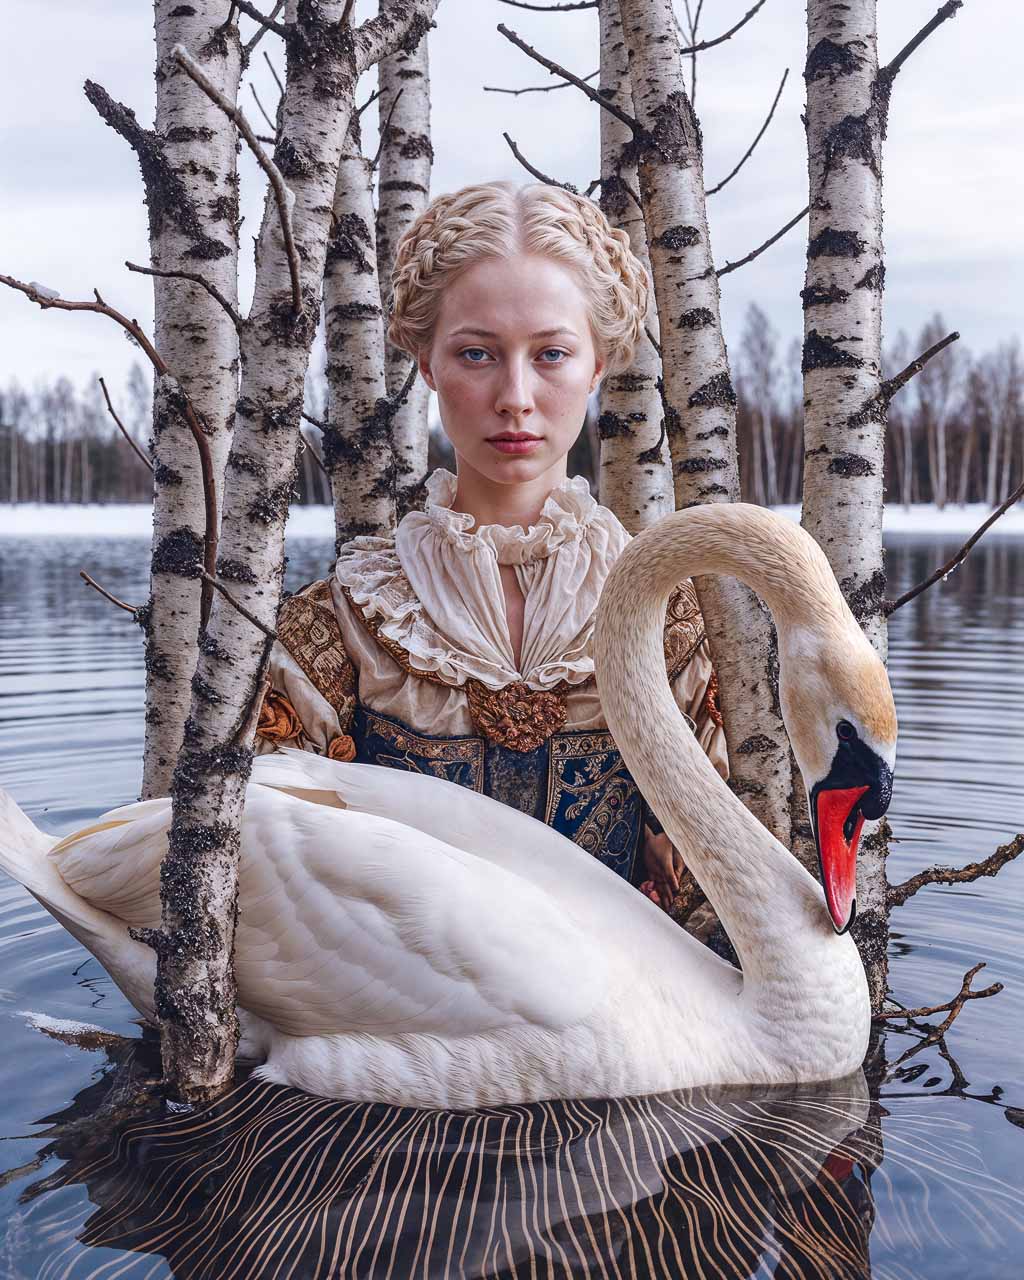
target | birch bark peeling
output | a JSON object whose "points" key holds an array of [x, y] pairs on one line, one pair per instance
{"points": [[844, 414], [192, 195], [700, 403], [195, 990], [406, 159], [635, 471], [358, 447]]}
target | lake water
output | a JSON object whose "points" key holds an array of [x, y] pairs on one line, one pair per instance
{"points": [[918, 1176]]}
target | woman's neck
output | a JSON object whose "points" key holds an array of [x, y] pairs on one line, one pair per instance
{"points": [[489, 502]]}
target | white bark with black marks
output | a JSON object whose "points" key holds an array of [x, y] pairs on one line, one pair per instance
{"points": [[403, 193], [844, 414], [635, 473], [195, 980], [358, 449], [189, 165], [700, 403]]}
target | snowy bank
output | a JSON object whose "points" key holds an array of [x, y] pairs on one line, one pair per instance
{"points": [[125, 520]]}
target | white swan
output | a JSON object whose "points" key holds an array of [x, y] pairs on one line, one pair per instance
{"points": [[405, 940]]}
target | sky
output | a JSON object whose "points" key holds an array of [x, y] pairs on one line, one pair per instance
{"points": [[71, 206]]}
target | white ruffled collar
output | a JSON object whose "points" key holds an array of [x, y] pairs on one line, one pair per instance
{"points": [[566, 513], [436, 588]]}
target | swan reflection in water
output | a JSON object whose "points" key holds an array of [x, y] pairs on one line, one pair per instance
{"points": [[269, 1182]]}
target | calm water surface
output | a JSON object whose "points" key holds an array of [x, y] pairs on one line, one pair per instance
{"points": [[917, 1176]]}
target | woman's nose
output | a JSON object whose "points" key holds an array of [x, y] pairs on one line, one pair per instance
{"points": [[514, 397]]}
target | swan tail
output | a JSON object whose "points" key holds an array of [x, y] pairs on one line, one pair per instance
{"points": [[25, 857]]}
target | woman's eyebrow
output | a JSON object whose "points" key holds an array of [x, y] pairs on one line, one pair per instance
{"points": [[489, 333]]}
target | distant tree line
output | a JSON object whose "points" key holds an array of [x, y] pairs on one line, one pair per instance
{"points": [[956, 431]]}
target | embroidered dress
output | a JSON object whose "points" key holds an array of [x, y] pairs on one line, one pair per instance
{"points": [[403, 658]]}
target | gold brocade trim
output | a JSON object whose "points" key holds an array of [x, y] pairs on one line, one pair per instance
{"points": [[308, 629], [684, 628], [592, 750], [711, 701], [434, 752]]}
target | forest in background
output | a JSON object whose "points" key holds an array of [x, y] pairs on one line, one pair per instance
{"points": [[956, 434]]}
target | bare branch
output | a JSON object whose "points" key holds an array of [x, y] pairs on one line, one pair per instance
{"points": [[750, 150], [122, 428], [558, 70], [952, 1007], [990, 866], [710, 44], [266, 21], [193, 278], [273, 72], [315, 421], [281, 193], [247, 51], [369, 102], [129, 608], [346, 16], [732, 266], [217, 585], [539, 88], [889, 72], [653, 340], [891, 385], [384, 130], [46, 299], [406, 386], [262, 109], [541, 177], [551, 8]]}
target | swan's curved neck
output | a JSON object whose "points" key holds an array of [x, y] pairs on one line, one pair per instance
{"points": [[770, 906]]}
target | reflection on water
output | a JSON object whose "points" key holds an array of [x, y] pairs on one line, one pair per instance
{"points": [[923, 1181]]}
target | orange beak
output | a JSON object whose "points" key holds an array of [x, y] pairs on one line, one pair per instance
{"points": [[837, 826]]}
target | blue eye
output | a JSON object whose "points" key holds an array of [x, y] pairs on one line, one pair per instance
{"points": [[470, 353], [553, 351]]}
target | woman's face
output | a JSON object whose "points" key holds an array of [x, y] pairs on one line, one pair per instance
{"points": [[513, 362]]}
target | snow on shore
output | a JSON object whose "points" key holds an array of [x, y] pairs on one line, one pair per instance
{"points": [[126, 520]]}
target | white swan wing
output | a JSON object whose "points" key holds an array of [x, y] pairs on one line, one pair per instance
{"points": [[352, 923]]}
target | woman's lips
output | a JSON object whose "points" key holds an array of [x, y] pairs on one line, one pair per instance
{"points": [[515, 444]]}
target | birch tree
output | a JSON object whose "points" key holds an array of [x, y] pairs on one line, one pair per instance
{"points": [[406, 158], [189, 168], [635, 478], [195, 989]]}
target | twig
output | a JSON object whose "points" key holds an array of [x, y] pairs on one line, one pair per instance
{"points": [[315, 421], [539, 88], [952, 1007], [122, 428], [541, 177], [653, 340], [891, 385], [281, 192], [732, 266], [558, 70], [551, 8], [249, 617], [891, 69], [46, 300], [308, 444], [193, 278], [399, 398], [369, 102], [266, 21], [128, 608], [273, 72], [710, 44], [262, 109], [750, 149], [990, 866], [347, 12], [384, 130], [247, 51]]}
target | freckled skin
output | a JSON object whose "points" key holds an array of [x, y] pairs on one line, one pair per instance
{"points": [[513, 380]]}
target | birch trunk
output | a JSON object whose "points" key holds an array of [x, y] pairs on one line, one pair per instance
{"points": [[700, 403], [192, 191], [405, 163], [635, 476], [845, 418], [195, 990], [358, 446]]}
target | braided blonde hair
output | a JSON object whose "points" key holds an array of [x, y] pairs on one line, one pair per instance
{"points": [[497, 220]]}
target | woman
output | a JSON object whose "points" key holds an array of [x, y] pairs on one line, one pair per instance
{"points": [[461, 647]]}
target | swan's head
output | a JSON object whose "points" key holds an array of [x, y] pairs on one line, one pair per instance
{"points": [[839, 711]]}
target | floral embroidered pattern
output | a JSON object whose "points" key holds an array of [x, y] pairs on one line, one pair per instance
{"points": [[342, 747], [308, 628], [516, 716]]}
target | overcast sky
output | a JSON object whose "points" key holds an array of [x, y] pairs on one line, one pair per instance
{"points": [[72, 210]]}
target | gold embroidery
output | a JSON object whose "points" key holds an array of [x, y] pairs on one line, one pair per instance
{"points": [[279, 721], [516, 716], [684, 628], [599, 783], [308, 629], [435, 752], [711, 700]]}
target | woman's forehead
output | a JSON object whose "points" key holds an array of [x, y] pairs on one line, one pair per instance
{"points": [[526, 294]]}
